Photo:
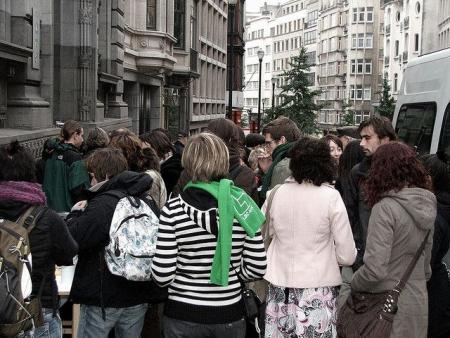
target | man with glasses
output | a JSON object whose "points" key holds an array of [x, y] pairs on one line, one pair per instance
{"points": [[280, 134]]}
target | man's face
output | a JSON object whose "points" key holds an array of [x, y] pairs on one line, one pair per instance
{"points": [[78, 139], [370, 141], [271, 144]]}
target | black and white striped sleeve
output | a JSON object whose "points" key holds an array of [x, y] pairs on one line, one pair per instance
{"points": [[164, 262], [253, 265]]}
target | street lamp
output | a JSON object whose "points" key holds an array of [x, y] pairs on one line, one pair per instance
{"points": [[260, 57], [274, 82], [232, 5]]}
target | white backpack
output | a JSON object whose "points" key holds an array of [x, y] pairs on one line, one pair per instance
{"points": [[132, 237]]}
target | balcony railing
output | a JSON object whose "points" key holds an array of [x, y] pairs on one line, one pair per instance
{"points": [[406, 22], [194, 60], [388, 30], [405, 57], [386, 61]]}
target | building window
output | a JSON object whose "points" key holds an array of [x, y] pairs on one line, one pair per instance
{"points": [[309, 38], [416, 42], [367, 93], [360, 40], [360, 66], [267, 67], [151, 14], [395, 82], [368, 66], [361, 14], [178, 28], [355, 15], [369, 14], [369, 40], [397, 47], [417, 7]]}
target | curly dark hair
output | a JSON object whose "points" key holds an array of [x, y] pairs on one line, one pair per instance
{"points": [[394, 166], [438, 168], [311, 161], [17, 163]]}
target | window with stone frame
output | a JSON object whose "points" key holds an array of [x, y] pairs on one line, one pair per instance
{"points": [[194, 24], [179, 22], [151, 14]]}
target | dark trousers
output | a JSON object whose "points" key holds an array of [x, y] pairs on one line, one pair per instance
{"points": [[174, 328]]}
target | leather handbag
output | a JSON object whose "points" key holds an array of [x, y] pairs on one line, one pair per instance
{"points": [[371, 315]]}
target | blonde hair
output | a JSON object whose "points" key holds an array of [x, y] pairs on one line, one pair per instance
{"points": [[205, 158]]}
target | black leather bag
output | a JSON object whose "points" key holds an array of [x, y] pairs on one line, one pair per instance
{"points": [[371, 315]]}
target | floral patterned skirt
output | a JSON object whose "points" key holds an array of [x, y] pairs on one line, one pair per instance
{"points": [[301, 313]]}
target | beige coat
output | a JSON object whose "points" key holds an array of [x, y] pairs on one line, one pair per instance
{"points": [[311, 236], [397, 226]]}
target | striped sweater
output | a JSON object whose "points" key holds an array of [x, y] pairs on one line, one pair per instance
{"points": [[184, 253]]}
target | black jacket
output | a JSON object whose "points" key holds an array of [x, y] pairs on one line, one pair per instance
{"points": [[93, 283], [439, 284], [357, 209], [50, 244]]}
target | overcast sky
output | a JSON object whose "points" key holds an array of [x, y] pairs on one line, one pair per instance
{"points": [[254, 5]]}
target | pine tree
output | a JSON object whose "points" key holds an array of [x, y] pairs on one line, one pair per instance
{"points": [[387, 102], [297, 98], [348, 118]]}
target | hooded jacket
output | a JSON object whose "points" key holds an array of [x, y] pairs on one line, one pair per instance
{"points": [[65, 177], [187, 238], [93, 284], [397, 226]]}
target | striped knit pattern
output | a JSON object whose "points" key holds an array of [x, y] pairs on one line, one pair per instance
{"points": [[184, 255]]}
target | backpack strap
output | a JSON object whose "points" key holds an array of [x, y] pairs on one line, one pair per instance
{"points": [[30, 221]]}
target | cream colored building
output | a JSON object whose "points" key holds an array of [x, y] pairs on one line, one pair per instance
{"points": [[349, 58], [402, 38]]}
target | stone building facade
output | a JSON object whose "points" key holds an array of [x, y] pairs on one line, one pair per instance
{"points": [[139, 64], [436, 24]]}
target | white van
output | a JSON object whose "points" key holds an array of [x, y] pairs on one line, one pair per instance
{"points": [[422, 111]]}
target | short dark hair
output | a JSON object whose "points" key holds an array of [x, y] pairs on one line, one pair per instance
{"points": [[253, 140], [311, 161], [69, 128], [17, 163], [381, 125], [394, 166], [438, 168], [106, 163], [282, 126]]}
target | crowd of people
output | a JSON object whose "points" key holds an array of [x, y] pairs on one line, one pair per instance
{"points": [[316, 219]]}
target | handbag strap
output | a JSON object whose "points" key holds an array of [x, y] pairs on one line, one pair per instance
{"points": [[265, 228], [402, 282]]}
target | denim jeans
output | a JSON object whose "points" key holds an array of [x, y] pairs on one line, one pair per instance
{"points": [[127, 322], [174, 328], [52, 327]]}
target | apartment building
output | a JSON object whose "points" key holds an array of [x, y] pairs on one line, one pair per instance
{"points": [[436, 24], [350, 59], [402, 38], [280, 31], [257, 38]]}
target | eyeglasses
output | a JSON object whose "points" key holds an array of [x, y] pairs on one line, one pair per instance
{"points": [[268, 143]]}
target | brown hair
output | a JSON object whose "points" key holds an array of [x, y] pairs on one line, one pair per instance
{"points": [[394, 166], [159, 141], [282, 126], [106, 163], [333, 138], [225, 129], [205, 158], [130, 145], [69, 128]]}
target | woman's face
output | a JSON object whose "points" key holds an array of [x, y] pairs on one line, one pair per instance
{"points": [[335, 150]]}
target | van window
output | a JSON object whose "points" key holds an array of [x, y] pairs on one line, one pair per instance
{"points": [[415, 124], [444, 140]]}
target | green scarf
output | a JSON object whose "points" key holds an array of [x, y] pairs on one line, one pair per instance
{"points": [[278, 154], [233, 203]]}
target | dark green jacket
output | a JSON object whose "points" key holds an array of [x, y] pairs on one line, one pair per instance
{"points": [[65, 177]]}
